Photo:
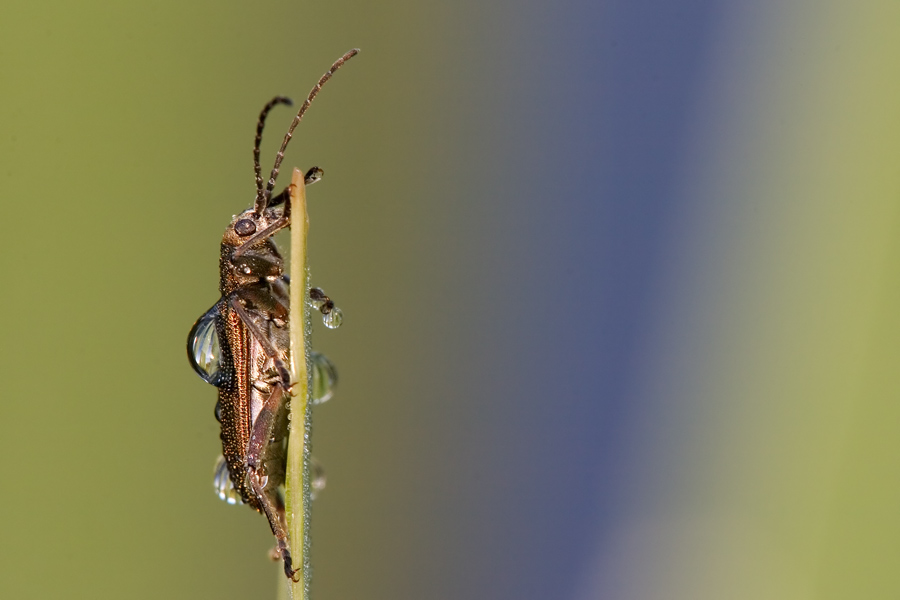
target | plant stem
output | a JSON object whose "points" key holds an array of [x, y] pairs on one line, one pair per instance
{"points": [[297, 483]]}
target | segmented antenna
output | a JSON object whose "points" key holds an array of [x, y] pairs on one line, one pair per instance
{"points": [[259, 130], [263, 201]]}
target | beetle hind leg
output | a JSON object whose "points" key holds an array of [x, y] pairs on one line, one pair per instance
{"points": [[275, 514], [264, 490]]}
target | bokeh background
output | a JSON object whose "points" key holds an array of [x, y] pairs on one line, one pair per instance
{"points": [[619, 279]]}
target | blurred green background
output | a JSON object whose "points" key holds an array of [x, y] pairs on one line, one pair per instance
{"points": [[618, 279]]}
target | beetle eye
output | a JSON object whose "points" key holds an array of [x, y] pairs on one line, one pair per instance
{"points": [[245, 227]]}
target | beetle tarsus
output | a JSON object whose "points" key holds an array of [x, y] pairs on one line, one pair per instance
{"points": [[288, 570], [313, 175]]}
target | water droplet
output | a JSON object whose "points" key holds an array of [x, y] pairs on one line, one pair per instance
{"points": [[324, 376], [223, 485], [333, 319], [203, 347], [317, 477]]}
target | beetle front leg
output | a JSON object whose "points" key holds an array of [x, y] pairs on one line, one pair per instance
{"points": [[281, 198], [312, 175]]}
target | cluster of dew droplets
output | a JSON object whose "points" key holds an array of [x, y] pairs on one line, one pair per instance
{"points": [[323, 371], [323, 376]]}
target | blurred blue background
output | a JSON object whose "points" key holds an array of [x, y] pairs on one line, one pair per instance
{"points": [[618, 283]]}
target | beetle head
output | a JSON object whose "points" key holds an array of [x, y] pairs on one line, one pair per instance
{"points": [[248, 253]]}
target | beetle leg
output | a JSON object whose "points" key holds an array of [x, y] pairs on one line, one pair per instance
{"points": [[263, 427], [313, 175], [275, 515], [264, 341], [281, 198]]}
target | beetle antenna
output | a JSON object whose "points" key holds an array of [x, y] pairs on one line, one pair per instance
{"points": [[259, 129], [263, 201]]}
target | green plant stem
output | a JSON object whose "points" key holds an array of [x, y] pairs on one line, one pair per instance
{"points": [[297, 483]]}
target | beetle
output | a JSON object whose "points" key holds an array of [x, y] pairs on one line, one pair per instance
{"points": [[241, 345]]}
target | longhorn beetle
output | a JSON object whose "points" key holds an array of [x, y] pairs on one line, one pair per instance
{"points": [[241, 345]]}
